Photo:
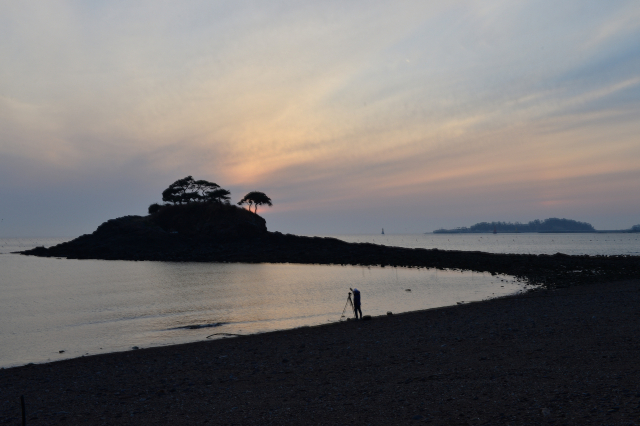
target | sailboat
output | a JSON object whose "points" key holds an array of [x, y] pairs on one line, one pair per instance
{"points": [[382, 231]]}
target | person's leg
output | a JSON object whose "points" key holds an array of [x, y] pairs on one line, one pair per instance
{"points": [[358, 309]]}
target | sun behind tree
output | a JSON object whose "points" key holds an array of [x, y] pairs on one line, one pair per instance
{"points": [[255, 198]]}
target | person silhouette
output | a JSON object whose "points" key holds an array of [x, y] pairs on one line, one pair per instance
{"points": [[356, 303]]}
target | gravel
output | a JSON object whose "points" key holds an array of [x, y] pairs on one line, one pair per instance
{"points": [[563, 356]]}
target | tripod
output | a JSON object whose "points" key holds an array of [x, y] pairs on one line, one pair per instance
{"points": [[349, 302]]}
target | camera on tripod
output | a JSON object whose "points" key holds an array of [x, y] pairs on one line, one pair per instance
{"points": [[348, 304]]}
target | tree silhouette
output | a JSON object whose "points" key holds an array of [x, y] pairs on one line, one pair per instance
{"points": [[177, 192], [187, 190], [218, 196], [155, 207], [255, 198], [203, 187]]}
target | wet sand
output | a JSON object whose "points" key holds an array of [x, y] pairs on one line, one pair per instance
{"points": [[564, 356]]}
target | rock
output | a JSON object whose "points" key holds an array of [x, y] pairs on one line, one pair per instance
{"points": [[366, 317], [389, 313], [212, 219]]}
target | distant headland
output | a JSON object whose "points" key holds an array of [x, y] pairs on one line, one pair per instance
{"points": [[551, 225]]}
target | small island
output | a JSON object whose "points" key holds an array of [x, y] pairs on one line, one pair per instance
{"points": [[551, 225], [198, 223]]}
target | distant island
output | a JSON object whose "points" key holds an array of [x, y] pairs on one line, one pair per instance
{"points": [[551, 225]]}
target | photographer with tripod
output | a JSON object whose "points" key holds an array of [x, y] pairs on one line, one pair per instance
{"points": [[355, 304]]}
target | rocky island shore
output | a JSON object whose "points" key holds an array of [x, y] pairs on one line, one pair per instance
{"points": [[225, 233]]}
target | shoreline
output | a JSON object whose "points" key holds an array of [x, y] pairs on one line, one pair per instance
{"points": [[228, 336], [117, 242], [567, 355], [247, 328]]}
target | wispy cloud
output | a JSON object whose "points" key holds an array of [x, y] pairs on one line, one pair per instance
{"points": [[329, 105]]}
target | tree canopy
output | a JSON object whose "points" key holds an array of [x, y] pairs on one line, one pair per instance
{"points": [[255, 198], [218, 195], [187, 190]]}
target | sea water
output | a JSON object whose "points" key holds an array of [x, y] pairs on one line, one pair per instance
{"points": [[520, 243], [52, 309]]}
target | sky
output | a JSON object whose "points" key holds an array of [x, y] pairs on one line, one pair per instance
{"points": [[351, 115]]}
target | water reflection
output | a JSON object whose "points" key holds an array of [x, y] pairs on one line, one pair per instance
{"points": [[92, 306]]}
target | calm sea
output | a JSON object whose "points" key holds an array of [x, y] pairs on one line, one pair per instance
{"points": [[573, 244], [90, 306]]}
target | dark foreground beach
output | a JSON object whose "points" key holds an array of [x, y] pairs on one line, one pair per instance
{"points": [[565, 356]]}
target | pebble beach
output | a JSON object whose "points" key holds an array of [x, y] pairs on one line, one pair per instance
{"points": [[555, 356]]}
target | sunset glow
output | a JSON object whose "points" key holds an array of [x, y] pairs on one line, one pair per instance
{"points": [[351, 117]]}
